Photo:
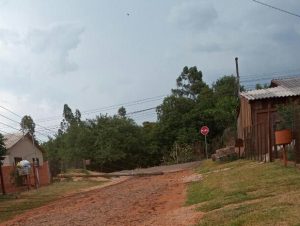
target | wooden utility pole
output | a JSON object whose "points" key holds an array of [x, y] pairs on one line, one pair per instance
{"points": [[237, 75], [1, 175]]}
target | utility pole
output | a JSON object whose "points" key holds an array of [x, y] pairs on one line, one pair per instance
{"points": [[35, 167], [237, 75], [1, 175]]}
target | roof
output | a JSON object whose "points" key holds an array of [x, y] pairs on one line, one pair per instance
{"points": [[287, 87], [293, 82], [11, 139]]}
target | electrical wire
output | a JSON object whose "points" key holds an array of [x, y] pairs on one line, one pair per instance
{"points": [[111, 107], [276, 8], [135, 112]]}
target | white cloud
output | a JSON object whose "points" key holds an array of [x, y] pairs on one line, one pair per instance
{"points": [[34, 67], [40, 52]]}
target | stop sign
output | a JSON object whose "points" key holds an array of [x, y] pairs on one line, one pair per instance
{"points": [[204, 130]]}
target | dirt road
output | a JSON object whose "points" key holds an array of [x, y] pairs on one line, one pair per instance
{"points": [[151, 200]]}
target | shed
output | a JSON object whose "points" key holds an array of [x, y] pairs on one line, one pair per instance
{"points": [[258, 114]]}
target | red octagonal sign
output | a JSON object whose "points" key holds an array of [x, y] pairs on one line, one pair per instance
{"points": [[204, 130]]}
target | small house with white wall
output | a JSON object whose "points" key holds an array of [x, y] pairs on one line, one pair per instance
{"points": [[22, 147]]}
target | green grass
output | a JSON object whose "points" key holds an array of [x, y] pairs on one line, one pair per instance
{"points": [[12, 205], [247, 193]]}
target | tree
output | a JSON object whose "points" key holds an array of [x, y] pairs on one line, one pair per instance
{"points": [[189, 83], [2, 146], [122, 112], [260, 86], [176, 122], [27, 124]]}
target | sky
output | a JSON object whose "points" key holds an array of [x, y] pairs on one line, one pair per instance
{"points": [[99, 53]]}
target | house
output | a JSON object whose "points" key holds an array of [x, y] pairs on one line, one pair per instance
{"points": [[258, 115], [23, 147]]}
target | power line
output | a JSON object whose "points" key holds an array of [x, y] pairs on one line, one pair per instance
{"points": [[50, 129], [272, 74], [10, 126], [9, 119], [135, 112], [20, 129], [19, 117], [276, 8], [111, 107], [10, 111], [131, 103], [269, 77]]}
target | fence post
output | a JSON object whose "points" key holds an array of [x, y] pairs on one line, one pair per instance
{"points": [[297, 136]]}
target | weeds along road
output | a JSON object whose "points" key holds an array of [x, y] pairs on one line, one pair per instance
{"points": [[151, 200]]}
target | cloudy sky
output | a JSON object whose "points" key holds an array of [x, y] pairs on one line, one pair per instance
{"points": [[91, 54]]}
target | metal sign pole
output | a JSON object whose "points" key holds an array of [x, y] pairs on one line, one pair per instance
{"points": [[206, 148]]}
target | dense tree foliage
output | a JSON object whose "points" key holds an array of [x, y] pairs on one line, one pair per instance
{"points": [[260, 86], [2, 146], [117, 142], [27, 124]]}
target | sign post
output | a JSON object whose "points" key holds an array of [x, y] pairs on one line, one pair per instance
{"points": [[204, 131]]}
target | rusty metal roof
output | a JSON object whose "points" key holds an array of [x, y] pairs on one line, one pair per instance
{"points": [[275, 92]]}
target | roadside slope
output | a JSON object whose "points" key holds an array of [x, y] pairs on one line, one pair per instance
{"points": [[246, 193]]}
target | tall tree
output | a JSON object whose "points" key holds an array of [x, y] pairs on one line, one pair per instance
{"points": [[69, 118], [189, 83], [122, 112], [27, 124]]}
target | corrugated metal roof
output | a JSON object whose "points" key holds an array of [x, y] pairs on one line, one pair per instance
{"points": [[293, 82], [275, 92]]}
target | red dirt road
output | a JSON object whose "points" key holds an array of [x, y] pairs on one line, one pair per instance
{"points": [[151, 200]]}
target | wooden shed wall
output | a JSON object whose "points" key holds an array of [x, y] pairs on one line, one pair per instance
{"points": [[245, 117]]}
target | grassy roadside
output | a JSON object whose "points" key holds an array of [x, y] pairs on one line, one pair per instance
{"points": [[247, 193], [11, 206]]}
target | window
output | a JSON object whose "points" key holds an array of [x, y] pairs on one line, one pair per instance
{"points": [[17, 160], [36, 161]]}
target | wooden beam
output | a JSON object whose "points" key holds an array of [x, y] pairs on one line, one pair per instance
{"points": [[2, 179], [270, 133]]}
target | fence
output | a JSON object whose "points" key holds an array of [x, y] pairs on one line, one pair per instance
{"points": [[257, 142], [10, 185]]}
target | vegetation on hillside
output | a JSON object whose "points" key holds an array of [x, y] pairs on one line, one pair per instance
{"points": [[117, 142]]}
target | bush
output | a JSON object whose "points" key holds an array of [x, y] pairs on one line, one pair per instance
{"points": [[181, 153]]}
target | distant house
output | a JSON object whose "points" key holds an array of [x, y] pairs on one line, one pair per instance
{"points": [[22, 147], [258, 115]]}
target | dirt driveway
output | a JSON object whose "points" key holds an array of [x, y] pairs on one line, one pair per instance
{"points": [[151, 200]]}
